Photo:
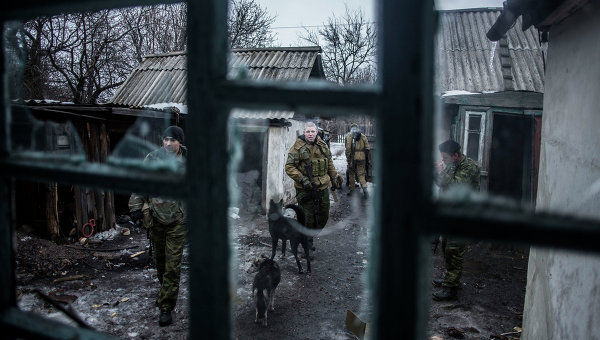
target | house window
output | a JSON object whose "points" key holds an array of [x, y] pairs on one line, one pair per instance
{"points": [[404, 217], [474, 135]]}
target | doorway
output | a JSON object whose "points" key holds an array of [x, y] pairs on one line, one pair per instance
{"points": [[511, 157]]}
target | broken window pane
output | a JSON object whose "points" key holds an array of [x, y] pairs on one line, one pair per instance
{"points": [[150, 143], [80, 250], [96, 71], [482, 110], [267, 202]]}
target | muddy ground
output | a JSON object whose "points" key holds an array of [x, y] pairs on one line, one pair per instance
{"points": [[115, 293]]}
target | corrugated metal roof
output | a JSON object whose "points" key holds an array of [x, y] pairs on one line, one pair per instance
{"points": [[263, 114], [466, 60], [163, 78]]}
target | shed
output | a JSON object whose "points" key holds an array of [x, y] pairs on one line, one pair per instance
{"points": [[160, 80], [491, 98], [86, 132]]}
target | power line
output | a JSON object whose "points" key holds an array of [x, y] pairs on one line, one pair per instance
{"points": [[314, 26]]}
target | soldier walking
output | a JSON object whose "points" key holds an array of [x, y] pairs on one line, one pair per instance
{"points": [[357, 152], [165, 219], [310, 165], [457, 169]]}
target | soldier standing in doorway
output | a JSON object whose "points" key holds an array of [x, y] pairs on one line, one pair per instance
{"points": [[454, 169], [357, 152], [165, 219], [310, 165]]}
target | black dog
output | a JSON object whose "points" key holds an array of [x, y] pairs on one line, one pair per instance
{"points": [[265, 282], [285, 228]]}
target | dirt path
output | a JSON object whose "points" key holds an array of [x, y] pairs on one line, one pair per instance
{"points": [[314, 305]]}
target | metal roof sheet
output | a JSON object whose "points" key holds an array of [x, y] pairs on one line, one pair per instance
{"points": [[466, 60], [162, 78]]}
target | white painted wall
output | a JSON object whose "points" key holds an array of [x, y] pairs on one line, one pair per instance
{"points": [[562, 300], [280, 140]]}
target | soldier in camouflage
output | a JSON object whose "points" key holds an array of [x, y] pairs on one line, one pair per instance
{"points": [[357, 149], [310, 147], [165, 220], [458, 170]]}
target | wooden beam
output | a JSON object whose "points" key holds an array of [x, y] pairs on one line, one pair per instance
{"points": [[508, 99]]}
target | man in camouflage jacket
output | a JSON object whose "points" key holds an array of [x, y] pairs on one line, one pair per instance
{"points": [[357, 149], [311, 147], [165, 218], [459, 170]]}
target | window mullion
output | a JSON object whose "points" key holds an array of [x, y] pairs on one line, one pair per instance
{"points": [[33, 326], [273, 95], [404, 147], [206, 176], [482, 221], [7, 278], [94, 175]]}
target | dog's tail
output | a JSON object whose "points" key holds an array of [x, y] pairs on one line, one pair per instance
{"points": [[299, 212]]}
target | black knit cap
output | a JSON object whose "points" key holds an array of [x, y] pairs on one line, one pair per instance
{"points": [[174, 132], [450, 147]]}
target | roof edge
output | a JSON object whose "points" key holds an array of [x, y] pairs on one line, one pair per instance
{"points": [[302, 48], [167, 54], [475, 9]]}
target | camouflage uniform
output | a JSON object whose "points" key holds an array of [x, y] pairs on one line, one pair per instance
{"points": [[465, 172], [323, 171], [357, 160], [166, 220]]}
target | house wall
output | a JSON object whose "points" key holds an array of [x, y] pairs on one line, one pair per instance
{"points": [[280, 140], [562, 300]]}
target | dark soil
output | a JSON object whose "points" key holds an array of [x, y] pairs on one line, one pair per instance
{"points": [[117, 293], [490, 301]]}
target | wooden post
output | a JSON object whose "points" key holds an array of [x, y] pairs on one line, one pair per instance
{"points": [[52, 211]]}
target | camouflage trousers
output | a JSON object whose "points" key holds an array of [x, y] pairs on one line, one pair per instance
{"points": [[307, 206], [454, 255], [168, 242], [357, 173]]}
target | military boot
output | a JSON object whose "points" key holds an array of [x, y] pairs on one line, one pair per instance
{"points": [[365, 193], [165, 318], [351, 192], [444, 294]]}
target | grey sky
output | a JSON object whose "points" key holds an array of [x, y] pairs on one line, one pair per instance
{"points": [[291, 15]]}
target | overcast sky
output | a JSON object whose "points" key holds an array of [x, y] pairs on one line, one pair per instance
{"points": [[292, 15]]}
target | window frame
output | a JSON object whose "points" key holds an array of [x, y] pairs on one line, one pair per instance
{"points": [[402, 231], [482, 133]]}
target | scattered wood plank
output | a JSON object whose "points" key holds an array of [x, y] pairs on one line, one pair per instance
{"points": [[106, 250], [265, 244], [69, 278], [137, 254]]}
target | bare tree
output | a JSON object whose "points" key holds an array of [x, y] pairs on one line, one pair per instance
{"points": [[349, 47], [34, 73], [79, 57], [156, 29], [249, 25], [84, 57]]}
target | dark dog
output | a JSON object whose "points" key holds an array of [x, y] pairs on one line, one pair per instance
{"points": [[265, 282], [285, 228]]}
